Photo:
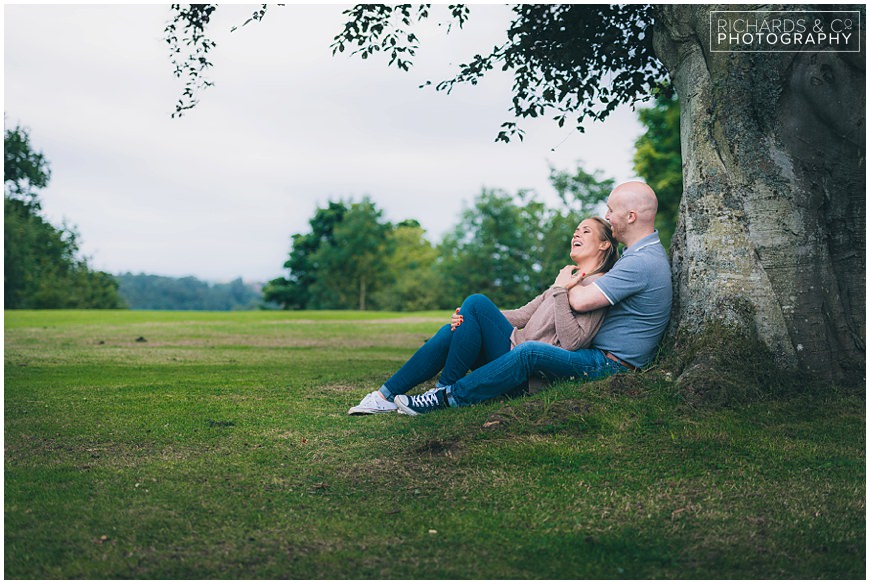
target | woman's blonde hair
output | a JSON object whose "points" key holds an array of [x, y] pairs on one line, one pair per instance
{"points": [[612, 253]]}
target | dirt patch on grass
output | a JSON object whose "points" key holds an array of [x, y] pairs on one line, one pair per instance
{"points": [[630, 384], [439, 447], [534, 416], [398, 473]]}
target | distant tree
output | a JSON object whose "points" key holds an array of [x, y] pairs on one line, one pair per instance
{"points": [[241, 296], [295, 291], [94, 289], [411, 282], [339, 263], [495, 249], [353, 263], [41, 266], [658, 159]]}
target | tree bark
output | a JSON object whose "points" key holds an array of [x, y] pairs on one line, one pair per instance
{"points": [[771, 239]]}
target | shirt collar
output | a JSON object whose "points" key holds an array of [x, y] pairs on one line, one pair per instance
{"points": [[651, 239]]}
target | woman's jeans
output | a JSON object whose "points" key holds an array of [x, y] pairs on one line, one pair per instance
{"points": [[512, 371], [483, 336]]}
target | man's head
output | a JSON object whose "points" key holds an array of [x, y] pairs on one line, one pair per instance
{"points": [[631, 210]]}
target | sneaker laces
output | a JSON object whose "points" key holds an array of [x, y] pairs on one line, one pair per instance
{"points": [[426, 400]]}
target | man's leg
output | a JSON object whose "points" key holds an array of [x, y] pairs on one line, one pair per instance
{"points": [[483, 336], [513, 369]]}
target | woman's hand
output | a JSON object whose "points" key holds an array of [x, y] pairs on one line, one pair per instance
{"points": [[568, 277], [455, 320]]}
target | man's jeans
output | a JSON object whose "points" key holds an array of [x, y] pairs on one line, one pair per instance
{"points": [[483, 336], [512, 371]]}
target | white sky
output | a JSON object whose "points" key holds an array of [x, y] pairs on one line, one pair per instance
{"points": [[217, 193]]}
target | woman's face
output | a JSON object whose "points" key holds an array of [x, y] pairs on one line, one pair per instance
{"points": [[587, 241]]}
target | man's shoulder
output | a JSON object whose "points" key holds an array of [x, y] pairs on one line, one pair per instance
{"points": [[642, 267], [644, 259], [648, 253]]}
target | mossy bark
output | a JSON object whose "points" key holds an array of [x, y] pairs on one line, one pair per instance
{"points": [[771, 240]]}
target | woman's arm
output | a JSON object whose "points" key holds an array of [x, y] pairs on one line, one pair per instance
{"points": [[519, 317], [574, 330]]}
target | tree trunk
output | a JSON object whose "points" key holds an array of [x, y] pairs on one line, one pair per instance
{"points": [[771, 239], [362, 293]]}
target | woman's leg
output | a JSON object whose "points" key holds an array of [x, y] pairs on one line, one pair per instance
{"points": [[483, 336], [424, 364]]}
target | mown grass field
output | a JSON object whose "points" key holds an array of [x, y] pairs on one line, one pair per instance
{"points": [[216, 445]]}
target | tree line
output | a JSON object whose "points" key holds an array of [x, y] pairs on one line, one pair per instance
{"points": [[508, 245], [151, 292], [42, 264]]}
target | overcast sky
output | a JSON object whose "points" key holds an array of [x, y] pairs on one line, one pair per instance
{"points": [[287, 127]]}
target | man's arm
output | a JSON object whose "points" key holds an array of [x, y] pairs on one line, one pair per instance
{"points": [[581, 297], [586, 298]]}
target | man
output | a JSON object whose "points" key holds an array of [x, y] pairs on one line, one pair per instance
{"points": [[637, 290]]}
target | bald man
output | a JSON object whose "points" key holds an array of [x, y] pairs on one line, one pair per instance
{"points": [[637, 290]]}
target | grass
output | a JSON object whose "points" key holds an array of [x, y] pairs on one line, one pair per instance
{"points": [[216, 445]]}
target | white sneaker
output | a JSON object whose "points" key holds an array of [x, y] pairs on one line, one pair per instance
{"points": [[373, 403]]}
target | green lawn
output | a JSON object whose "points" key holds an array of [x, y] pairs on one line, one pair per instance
{"points": [[215, 445]]}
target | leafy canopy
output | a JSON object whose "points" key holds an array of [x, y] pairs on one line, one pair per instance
{"points": [[575, 59], [24, 169]]}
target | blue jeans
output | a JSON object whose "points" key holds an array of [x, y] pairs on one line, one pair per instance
{"points": [[483, 337], [512, 371]]}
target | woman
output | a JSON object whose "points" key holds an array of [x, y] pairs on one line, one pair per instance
{"points": [[479, 332]]}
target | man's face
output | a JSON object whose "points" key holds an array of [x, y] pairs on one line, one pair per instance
{"points": [[617, 216]]}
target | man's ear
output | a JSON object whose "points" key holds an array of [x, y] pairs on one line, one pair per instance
{"points": [[632, 216]]}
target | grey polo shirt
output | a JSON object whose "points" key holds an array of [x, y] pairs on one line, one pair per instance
{"points": [[640, 293]]}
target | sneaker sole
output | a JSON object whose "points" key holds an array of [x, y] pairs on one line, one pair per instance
{"points": [[356, 412], [405, 410]]}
